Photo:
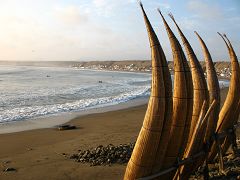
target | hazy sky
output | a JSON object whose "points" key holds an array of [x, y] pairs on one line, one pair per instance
{"points": [[110, 29]]}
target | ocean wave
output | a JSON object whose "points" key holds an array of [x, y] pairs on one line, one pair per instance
{"points": [[23, 113], [27, 93], [27, 112]]}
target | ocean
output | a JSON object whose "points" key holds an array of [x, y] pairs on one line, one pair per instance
{"points": [[28, 92]]}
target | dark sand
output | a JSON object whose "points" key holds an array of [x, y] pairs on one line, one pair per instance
{"points": [[37, 154]]}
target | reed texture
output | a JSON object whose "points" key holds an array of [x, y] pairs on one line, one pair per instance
{"points": [[213, 89], [228, 140], [228, 113], [200, 106], [195, 145], [182, 103], [200, 92], [148, 149]]}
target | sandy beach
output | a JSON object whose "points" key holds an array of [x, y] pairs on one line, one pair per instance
{"points": [[38, 154], [119, 90]]}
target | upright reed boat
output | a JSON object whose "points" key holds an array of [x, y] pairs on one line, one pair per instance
{"points": [[148, 151]]}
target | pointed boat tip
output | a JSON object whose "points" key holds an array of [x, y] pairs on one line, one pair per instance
{"points": [[224, 35], [143, 10], [159, 10], [198, 35], [141, 6], [229, 43], [220, 34], [171, 16], [140, 3], [173, 19]]}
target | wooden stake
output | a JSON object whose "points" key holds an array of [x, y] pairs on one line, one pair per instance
{"points": [[233, 138], [206, 171], [220, 156]]}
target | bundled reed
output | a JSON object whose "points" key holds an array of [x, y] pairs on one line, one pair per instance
{"points": [[229, 139], [200, 104], [182, 103], [213, 89], [230, 110], [177, 126], [195, 144], [149, 149], [200, 92]]}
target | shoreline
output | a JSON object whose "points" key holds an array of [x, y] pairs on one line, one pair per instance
{"points": [[52, 121], [44, 153]]}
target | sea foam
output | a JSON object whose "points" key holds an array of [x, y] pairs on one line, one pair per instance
{"points": [[31, 92], [84, 104]]}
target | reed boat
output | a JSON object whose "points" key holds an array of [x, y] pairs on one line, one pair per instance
{"points": [[148, 150]]}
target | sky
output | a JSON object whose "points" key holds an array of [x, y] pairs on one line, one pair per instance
{"points": [[83, 30]]}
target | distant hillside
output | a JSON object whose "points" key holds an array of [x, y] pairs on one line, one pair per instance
{"points": [[222, 67]]}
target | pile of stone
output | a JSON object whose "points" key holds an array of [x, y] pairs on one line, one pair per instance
{"points": [[102, 156]]}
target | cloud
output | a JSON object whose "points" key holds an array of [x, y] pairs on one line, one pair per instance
{"points": [[113, 3], [109, 7], [71, 15], [100, 3], [204, 10], [189, 23], [105, 29], [165, 6]]}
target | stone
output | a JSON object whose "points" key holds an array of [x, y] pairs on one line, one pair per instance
{"points": [[105, 155], [74, 156], [9, 169], [66, 127]]}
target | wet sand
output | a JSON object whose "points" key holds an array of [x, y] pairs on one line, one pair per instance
{"points": [[38, 154]]}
